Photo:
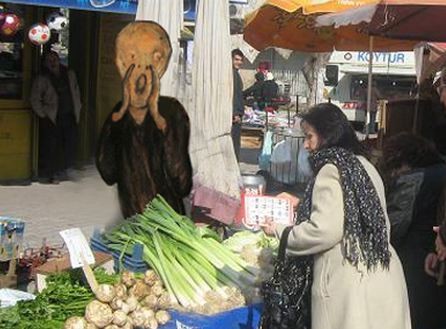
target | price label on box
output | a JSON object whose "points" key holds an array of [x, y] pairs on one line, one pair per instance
{"points": [[260, 208]]}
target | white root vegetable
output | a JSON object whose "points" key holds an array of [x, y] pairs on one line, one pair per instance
{"points": [[157, 289], [75, 322], [121, 290], [99, 314], [123, 306], [148, 313], [151, 301], [119, 318], [128, 278], [150, 277], [164, 301], [162, 317], [116, 303], [128, 325], [91, 326], [151, 323], [112, 326], [105, 293], [132, 302], [138, 318], [139, 290]]}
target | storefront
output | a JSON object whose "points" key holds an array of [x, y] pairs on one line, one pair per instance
{"points": [[86, 47]]}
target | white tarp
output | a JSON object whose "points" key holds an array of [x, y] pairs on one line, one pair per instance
{"points": [[210, 110], [169, 14]]}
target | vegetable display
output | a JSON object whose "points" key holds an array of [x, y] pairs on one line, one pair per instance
{"points": [[65, 296], [198, 271], [134, 302]]}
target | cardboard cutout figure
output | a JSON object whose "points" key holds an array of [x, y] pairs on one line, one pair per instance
{"points": [[144, 142]]}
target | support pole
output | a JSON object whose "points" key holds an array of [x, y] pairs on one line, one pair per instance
{"points": [[369, 86]]}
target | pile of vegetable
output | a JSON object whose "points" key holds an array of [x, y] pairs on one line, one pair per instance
{"points": [[66, 295], [131, 303], [258, 250], [199, 272]]}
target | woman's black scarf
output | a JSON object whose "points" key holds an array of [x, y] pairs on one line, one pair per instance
{"points": [[365, 233]]}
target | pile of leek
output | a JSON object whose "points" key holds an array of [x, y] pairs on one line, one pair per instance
{"points": [[199, 272]]}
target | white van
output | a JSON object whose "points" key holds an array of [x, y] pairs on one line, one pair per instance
{"points": [[346, 78]]}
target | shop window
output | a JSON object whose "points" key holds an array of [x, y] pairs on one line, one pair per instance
{"points": [[11, 52]]}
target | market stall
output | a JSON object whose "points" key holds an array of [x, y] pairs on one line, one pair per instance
{"points": [[166, 270]]}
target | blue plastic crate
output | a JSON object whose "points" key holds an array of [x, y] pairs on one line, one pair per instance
{"points": [[247, 317], [133, 262]]}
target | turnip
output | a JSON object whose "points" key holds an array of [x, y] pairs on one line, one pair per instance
{"points": [[162, 317], [150, 301], [91, 326], [112, 326], [105, 293], [128, 278], [132, 302], [138, 318], [164, 301], [139, 290], [75, 322], [151, 323], [157, 289], [119, 318], [148, 313], [123, 306], [99, 314], [150, 277], [121, 290], [114, 304], [128, 325]]}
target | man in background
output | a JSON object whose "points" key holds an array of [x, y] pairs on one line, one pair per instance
{"points": [[237, 101]]}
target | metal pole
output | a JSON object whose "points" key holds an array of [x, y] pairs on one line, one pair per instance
{"points": [[297, 104], [369, 86]]}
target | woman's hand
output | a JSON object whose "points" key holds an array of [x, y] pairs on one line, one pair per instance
{"points": [[440, 248], [269, 227], [294, 200], [430, 264]]}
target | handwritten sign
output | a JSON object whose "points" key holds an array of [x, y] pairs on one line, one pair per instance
{"points": [[259, 208]]}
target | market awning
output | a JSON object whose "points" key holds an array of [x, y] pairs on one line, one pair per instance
{"points": [[114, 6]]}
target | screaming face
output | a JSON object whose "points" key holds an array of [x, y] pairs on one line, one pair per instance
{"points": [[143, 51]]}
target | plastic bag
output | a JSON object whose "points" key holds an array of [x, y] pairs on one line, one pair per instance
{"points": [[265, 156], [282, 152], [10, 297]]}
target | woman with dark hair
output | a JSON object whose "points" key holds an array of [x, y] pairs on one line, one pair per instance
{"points": [[342, 223], [415, 177]]}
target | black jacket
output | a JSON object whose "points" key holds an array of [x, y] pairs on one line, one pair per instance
{"points": [[238, 107]]}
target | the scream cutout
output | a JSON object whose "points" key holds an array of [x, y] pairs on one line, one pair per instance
{"points": [[144, 143]]}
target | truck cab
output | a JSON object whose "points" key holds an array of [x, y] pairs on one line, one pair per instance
{"points": [[346, 78]]}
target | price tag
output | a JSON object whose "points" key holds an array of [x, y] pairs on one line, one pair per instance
{"points": [[80, 252]]}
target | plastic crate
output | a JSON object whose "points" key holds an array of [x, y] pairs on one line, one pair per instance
{"points": [[133, 262], [11, 237], [247, 317]]}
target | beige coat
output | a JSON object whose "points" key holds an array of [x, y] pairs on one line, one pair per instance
{"points": [[44, 99], [344, 297]]}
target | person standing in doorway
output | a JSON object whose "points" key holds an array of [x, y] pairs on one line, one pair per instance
{"points": [[55, 98], [237, 101]]}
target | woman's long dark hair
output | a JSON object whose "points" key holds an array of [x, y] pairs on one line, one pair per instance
{"points": [[333, 128], [410, 150]]}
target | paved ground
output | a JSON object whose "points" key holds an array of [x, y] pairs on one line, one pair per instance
{"points": [[47, 209], [86, 203]]}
